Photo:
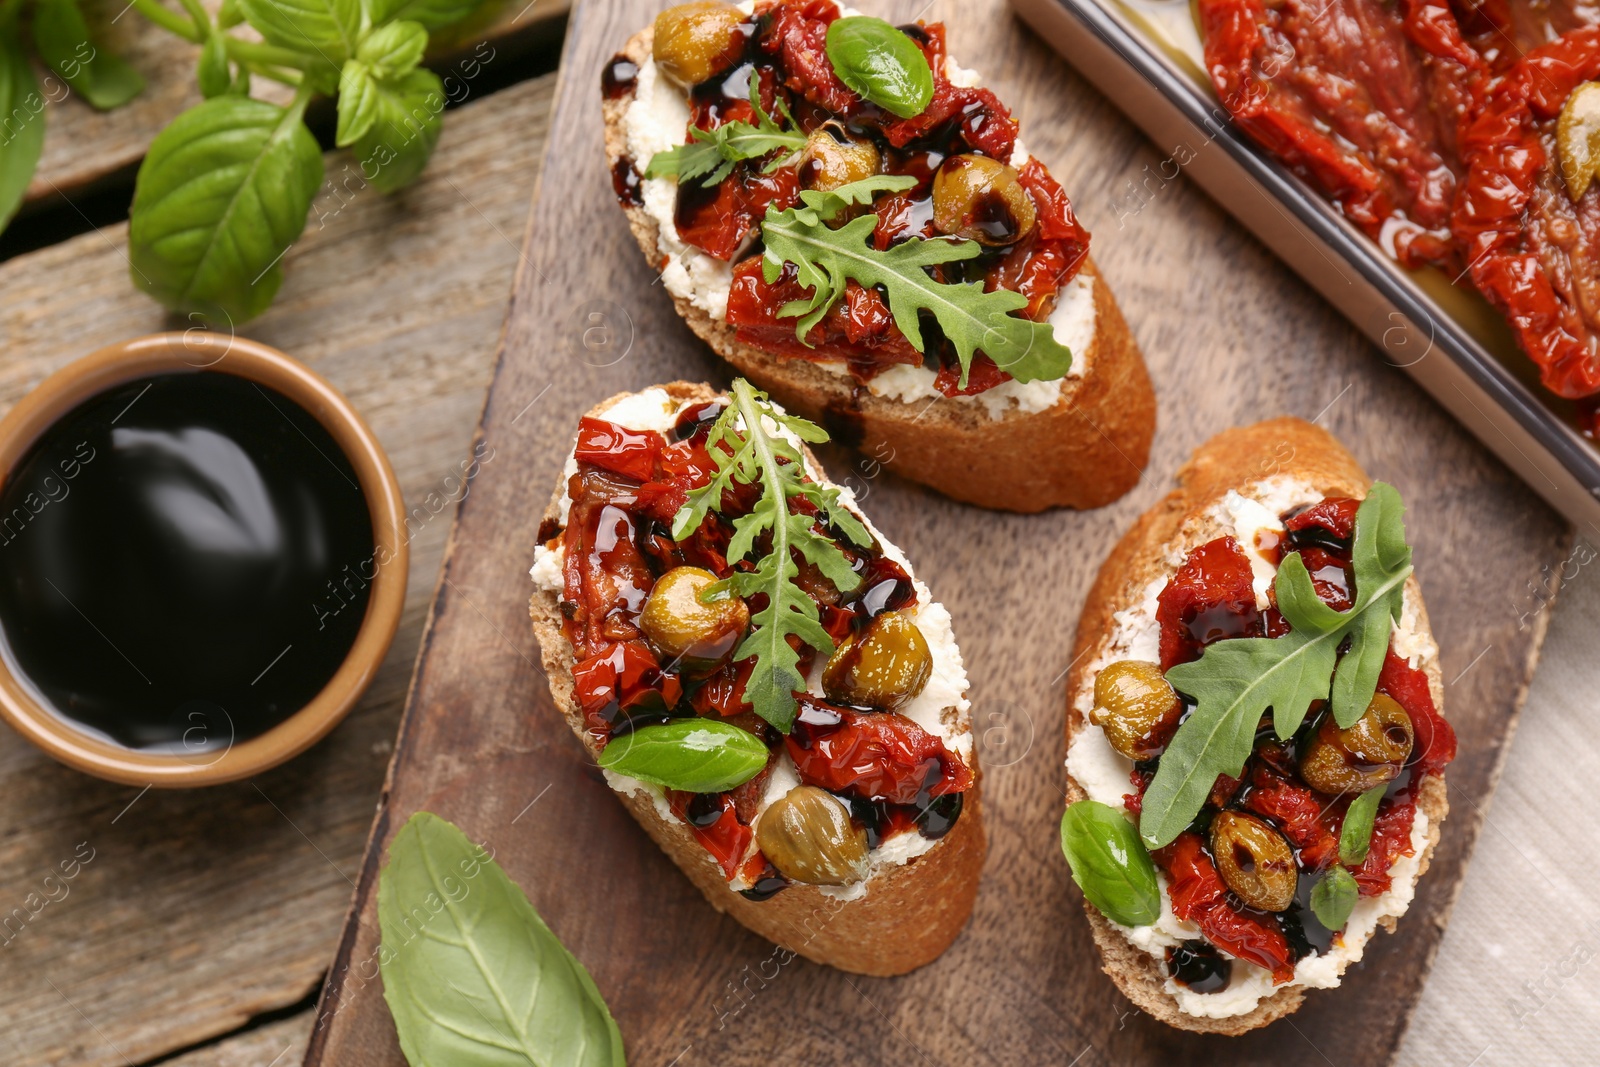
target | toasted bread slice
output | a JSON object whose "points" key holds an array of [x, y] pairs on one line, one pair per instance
{"points": [[1237, 459], [910, 912], [1084, 452]]}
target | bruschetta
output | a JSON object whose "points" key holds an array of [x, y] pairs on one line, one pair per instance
{"points": [[766, 684], [849, 219], [1255, 750]]}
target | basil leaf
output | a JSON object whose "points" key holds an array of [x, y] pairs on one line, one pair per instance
{"points": [[1355, 836], [472, 975], [394, 50], [221, 195], [62, 36], [329, 29], [213, 74], [1334, 898], [430, 14], [21, 121], [1109, 864], [358, 103], [881, 63], [694, 755], [405, 128], [1235, 682]]}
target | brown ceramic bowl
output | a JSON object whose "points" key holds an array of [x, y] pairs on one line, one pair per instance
{"points": [[196, 351]]}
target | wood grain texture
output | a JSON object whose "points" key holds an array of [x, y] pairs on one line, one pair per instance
{"points": [[201, 909], [85, 148], [1231, 337]]}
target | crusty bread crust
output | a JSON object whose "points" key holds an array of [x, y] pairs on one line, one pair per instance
{"points": [[1086, 451], [1231, 460], [910, 914]]}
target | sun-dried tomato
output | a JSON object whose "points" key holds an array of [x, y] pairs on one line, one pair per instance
{"points": [[1307, 820], [873, 755], [1330, 522], [1433, 738], [858, 329], [798, 37], [1391, 839], [719, 219], [630, 453], [714, 821], [983, 376], [1199, 896], [1210, 598], [620, 681]]}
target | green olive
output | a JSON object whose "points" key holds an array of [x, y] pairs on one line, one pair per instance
{"points": [[1134, 704], [691, 636], [832, 158], [807, 834], [696, 42], [1254, 859], [1369, 753], [1578, 138], [982, 200], [884, 666]]}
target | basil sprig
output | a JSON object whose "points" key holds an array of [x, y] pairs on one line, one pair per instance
{"points": [[1235, 682], [471, 973], [881, 63], [1334, 897], [695, 755], [1109, 864]]}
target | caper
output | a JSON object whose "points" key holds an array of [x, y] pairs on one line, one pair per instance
{"points": [[1254, 859], [1371, 752], [982, 200], [1134, 704], [807, 834], [696, 42], [832, 158], [884, 666], [690, 636], [1578, 138]]}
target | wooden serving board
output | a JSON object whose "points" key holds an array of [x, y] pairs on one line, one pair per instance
{"points": [[1230, 337]]}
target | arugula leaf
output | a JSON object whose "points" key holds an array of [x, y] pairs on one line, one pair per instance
{"points": [[21, 120], [221, 195], [710, 155], [1235, 682], [60, 33], [745, 451], [696, 755], [1334, 897], [408, 116], [471, 973], [970, 318], [1355, 836]]}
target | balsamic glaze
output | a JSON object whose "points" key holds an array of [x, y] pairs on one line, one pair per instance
{"points": [[940, 816], [1199, 966], [626, 183], [765, 889], [185, 561], [619, 77]]}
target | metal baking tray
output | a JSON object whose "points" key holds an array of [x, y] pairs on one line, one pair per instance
{"points": [[1144, 55]]}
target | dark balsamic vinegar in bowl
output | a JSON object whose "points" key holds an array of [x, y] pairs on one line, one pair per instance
{"points": [[185, 561]]}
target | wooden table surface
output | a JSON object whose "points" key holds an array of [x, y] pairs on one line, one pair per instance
{"points": [[200, 931]]}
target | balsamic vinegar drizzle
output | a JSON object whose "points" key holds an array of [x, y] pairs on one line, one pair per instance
{"points": [[185, 561]]}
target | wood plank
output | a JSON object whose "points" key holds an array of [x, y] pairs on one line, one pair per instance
{"points": [[201, 909], [85, 148], [1230, 337], [277, 1044]]}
